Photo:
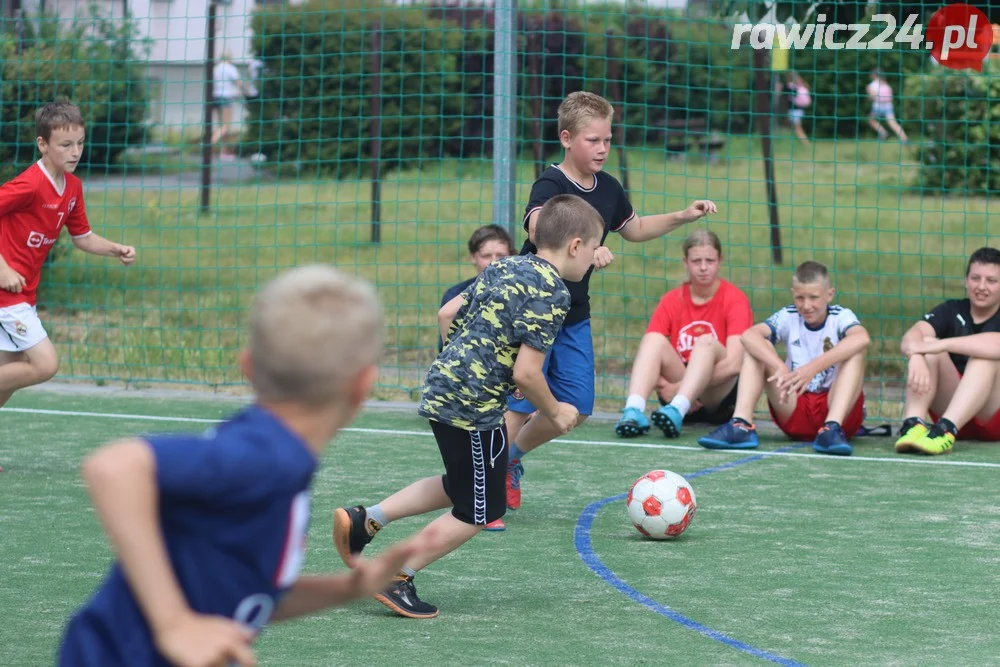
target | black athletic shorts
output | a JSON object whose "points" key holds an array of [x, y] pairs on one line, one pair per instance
{"points": [[475, 471]]}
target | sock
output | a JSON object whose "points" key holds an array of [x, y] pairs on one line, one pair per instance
{"points": [[740, 420], [832, 423], [635, 401], [681, 403], [407, 571], [515, 454], [376, 514], [947, 426]]}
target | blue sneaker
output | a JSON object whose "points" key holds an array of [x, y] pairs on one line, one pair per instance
{"points": [[632, 424], [668, 419], [732, 435], [831, 440]]}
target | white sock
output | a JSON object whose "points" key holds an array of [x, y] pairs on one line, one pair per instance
{"points": [[635, 401], [681, 403]]}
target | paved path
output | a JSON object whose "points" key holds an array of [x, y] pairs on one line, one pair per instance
{"points": [[223, 173]]}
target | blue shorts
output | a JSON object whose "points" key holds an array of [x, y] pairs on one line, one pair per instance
{"points": [[569, 369]]}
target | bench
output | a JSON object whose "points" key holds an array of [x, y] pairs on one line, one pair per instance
{"points": [[692, 135]]}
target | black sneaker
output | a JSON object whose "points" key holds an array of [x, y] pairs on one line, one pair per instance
{"points": [[402, 598], [352, 531]]}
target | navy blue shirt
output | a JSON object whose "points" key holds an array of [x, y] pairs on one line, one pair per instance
{"points": [[610, 200], [452, 292], [234, 510]]}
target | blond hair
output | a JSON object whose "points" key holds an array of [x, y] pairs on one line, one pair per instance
{"points": [[702, 237], [312, 331], [564, 218], [580, 109]]}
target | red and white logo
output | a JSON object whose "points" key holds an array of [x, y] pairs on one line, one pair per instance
{"points": [[690, 333], [37, 240], [72, 204]]}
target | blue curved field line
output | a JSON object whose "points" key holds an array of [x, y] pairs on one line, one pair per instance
{"points": [[585, 548]]}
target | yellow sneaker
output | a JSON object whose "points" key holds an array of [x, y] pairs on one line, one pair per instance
{"points": [[937, 441], [913, 430]]}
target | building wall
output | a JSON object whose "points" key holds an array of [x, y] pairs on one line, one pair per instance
{"points": [[178, 29]]}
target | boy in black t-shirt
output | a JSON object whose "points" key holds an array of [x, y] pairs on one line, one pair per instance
{"points": [[953, 373], [585, 134]]}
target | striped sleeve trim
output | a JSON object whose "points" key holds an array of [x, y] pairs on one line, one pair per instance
{"points": [[625, 222], [527, 215]]}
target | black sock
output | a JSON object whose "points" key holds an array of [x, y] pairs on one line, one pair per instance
{"points": [[740, 420], [910, 422], [947, 426], [832, 423]]}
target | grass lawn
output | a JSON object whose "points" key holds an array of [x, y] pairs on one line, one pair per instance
{"points": [[175, 316]]}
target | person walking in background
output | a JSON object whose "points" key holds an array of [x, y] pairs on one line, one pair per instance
{"points": [[880, 94], [798, 101], [227, 88]]}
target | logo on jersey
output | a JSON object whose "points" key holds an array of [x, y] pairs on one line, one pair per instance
{"points": [[690, 333], [38, 240], [518, 396], [72, 203], [827, 344], [254, 612], [20, 328]]}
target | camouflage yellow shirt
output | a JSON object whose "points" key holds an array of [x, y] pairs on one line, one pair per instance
{"points": [[516, 300]]}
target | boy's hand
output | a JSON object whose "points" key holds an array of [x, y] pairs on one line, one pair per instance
{"points": [[795, 382], [125, 253], [779, 373], [11, 280], [196, 640], [918, 376], [565, 417], [700, 209], [602, 257]]}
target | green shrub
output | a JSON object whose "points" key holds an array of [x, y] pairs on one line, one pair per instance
{"points": [[96, 63], [960, 151]]}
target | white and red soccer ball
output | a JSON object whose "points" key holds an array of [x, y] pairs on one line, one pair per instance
{"points": [[661, 504]]}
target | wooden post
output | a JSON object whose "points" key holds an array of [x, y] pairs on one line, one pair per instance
{"points": [[535, 46], [206, 139], [375, 113], [618, 95], [764, 110]]}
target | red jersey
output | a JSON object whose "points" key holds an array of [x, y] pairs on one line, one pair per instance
{"points": [[32, 214], [677, 317]]}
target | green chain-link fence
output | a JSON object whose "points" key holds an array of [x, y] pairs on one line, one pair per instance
{"points": [[369, 145]]}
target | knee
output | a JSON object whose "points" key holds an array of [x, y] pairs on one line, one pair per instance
{"points": [[580, 419], [704, 342], [45, 368]]}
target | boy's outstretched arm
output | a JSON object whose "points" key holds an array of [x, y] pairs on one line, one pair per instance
{"points": [[98, 245], [654, 226], [367, 577], [982, 346], [855, 340], [121, 480]]}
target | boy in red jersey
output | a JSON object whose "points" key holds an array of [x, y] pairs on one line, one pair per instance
{"points": [[34, 207]]}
